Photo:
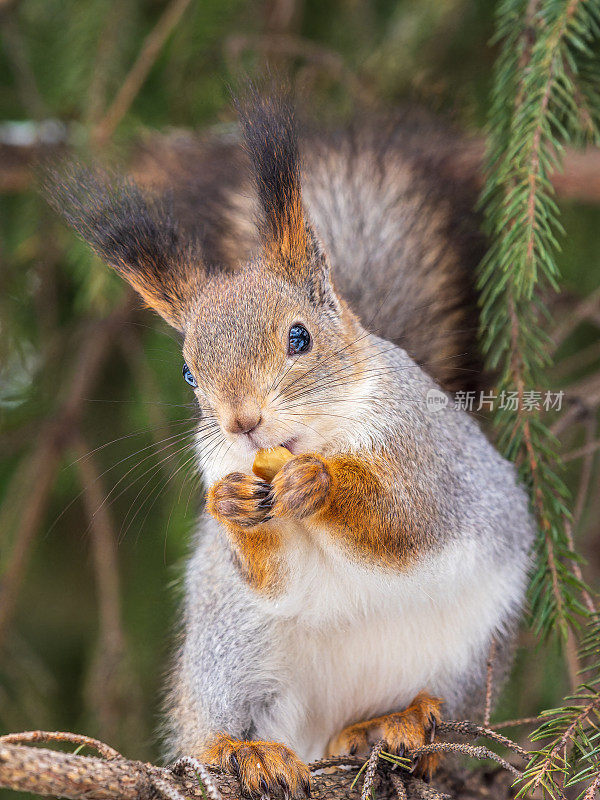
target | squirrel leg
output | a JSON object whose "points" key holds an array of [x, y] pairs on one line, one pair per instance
{"points": [[243, 505], [263, 768], [349, 496], [403, 731]]}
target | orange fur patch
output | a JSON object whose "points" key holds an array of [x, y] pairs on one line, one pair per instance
{"points": [[403, 732], [346, 496], [289, 241], [263, 768], [361, 512], [242, 504]]}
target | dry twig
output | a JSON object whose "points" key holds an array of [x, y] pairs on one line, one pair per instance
{"points": [[30, 737], [466, 728], [187, 762], [586, 308], [45, 460], [489, 684], [41, 471], [475, 751], [76, 777], [139, 72], [397, 781], [371, 769], [112, 690], [424, 791]]}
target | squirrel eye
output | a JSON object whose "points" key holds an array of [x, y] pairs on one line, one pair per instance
{"points": [[188, 377], [299, 340]]}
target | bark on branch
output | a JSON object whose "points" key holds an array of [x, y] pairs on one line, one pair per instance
{"points": [[579, 180], [48, 772], [78, 777]]}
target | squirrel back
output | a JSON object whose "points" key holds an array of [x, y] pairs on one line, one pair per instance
{"points": [[396, 221]]}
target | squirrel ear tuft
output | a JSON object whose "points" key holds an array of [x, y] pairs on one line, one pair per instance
{"points": [[271, 141], [134, 234]]}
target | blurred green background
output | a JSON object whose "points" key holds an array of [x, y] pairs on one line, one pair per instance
{"points": [[98, 490]]}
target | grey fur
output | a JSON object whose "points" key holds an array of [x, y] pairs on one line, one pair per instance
{"points": [[400, 236], [231, 672]]}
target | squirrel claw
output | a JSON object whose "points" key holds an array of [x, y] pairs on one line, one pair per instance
{"points": [[266, 502], [403, 732], [264, 769], [241, 500], [433, 723]]}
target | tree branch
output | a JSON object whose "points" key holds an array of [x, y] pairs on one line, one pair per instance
{"points": [[45, 460], [77, 777], [139, 71], [70, 775]]}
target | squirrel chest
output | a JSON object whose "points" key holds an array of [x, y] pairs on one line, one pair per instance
{"points": [[352, 643]]}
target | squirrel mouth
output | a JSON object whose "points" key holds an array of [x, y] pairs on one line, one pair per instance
{"points": [[290, 444]]}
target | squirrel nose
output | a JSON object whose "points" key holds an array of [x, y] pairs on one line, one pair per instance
{"points": [[244, 421]]}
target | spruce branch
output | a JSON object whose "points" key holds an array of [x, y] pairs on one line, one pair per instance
{"points": [[572, 739], [544, 98], [533, 116], [571, 734]]}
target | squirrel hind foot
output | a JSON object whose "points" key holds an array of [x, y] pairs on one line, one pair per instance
{"points": [[263, 768], [403, 732]]}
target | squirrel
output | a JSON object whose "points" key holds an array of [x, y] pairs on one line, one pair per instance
{"points": [[356, 595]]}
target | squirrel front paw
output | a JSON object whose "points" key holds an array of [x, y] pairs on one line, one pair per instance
{"points": [[241, 500], [301, 487], [403, 732], [263, 768]]}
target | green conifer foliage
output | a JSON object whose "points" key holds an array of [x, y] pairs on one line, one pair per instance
{"points": [[544, 97]]}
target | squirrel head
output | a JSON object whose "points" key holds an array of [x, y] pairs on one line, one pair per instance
{"points": [[268, 345]]}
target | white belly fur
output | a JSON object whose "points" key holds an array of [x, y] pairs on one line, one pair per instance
{"points": [[353, 643]]}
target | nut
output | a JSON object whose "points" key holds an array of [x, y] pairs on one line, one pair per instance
{"points": [[267, 463]]}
